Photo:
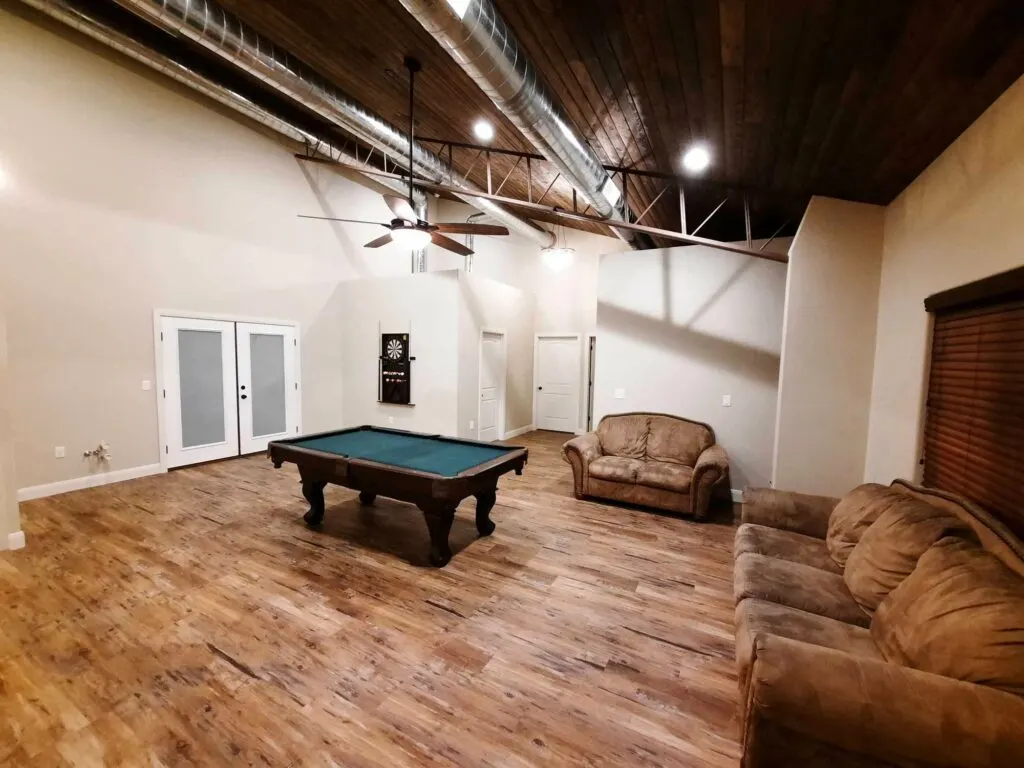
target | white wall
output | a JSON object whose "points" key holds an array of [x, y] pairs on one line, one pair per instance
{"points": [[959, 221], [489, 305], [679, 328], [9, 519], [424, 305], [828, 348]]}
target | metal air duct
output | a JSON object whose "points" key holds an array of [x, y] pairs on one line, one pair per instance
{"points": [[480, 41], [227, 36]]}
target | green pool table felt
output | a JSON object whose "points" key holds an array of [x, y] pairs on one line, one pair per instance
{"points": [[424, 454]]}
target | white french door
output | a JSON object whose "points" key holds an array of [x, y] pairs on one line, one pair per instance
{"points": [[268, 397], [229, 388], [199, 385]]}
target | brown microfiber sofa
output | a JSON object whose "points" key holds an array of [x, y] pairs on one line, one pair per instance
{"points": [[883, 629], [651, 459]]}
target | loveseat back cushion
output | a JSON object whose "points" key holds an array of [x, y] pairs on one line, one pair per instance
{"points": [[889, 549], [677, 441], [624, 435], [959, 614], [853, 514]]}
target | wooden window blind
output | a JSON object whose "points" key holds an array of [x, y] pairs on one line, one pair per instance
{"points": [[974, 425]]}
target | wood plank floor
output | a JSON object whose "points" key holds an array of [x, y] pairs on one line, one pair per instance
{"points": [[192, 619]]}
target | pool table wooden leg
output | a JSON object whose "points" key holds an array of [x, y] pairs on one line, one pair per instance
{"points": [[439, 519], [313, 490], [484, 505]]}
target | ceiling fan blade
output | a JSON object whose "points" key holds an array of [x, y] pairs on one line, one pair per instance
{"points": [[382, 240], [349, 221], [401, 208], [448, 244], [467, 228]]}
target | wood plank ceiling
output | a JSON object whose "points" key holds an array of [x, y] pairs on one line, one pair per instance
{"points": [[845, 98]]}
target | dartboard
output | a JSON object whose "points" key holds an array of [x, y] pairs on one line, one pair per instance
{"points": [[394, 350]]}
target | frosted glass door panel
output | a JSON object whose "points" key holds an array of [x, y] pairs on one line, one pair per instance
{"points": [[199, 406], [268, 396]]}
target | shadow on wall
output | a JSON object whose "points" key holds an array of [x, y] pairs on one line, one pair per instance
{"points": [[715, 352], [353, 251]]}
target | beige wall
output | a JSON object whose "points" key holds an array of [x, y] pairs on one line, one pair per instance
{"points": [[828, 348], [489, 305], [9, 520], [958, 221], [679, 328]]}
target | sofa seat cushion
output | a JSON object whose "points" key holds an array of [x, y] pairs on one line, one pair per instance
{"points": [[624, 435], [677, 441], [758, 617], [661, 474], [853, 514], [796, 586], [889, 549], [617, 469], [784, 545], [959, 614]]}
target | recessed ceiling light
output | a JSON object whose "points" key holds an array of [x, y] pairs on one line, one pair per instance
{"points": [[483, 130], [697, 159]]}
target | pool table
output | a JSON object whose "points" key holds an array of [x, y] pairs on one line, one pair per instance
{"points": [[433, 472]]}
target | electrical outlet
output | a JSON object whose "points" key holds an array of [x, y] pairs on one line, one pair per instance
{"points": [[58, 452], [620, 394], [146, 385], [727, 401], [472, 425], [391, 419]]}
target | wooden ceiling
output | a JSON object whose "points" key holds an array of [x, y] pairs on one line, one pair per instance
{"points": [[847, 98]]}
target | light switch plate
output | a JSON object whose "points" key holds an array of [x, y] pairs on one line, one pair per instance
{"points": [[147, 385], [472, 425], [620, 394], [727, 401], [58, 452], [391, 419]]}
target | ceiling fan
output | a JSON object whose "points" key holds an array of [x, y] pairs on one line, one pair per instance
{"points": [[407, 228]]}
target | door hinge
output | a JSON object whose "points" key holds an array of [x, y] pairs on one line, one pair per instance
{"points": [[295, 342], [161, 335], [296, 430], [165, 394], [296, 385], [167, 449]]}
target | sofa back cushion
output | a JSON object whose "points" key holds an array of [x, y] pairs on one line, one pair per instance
{"points": [[959, 614], [889, 549], [853, 514], [624, 435], [677, 441]]}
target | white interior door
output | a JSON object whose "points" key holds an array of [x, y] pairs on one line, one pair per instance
{"points": [[268, 384], [492, 387], [558, 383], [200, 414]]}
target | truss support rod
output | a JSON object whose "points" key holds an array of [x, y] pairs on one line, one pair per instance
{"points": [[510, 172], [775, 234], [557, 177], [668, 234], [717, 209], [575, 205], [651, 205], [529, 179], [682, 209], [451, 164], [473, 165], [746, 221], [490, 191]]}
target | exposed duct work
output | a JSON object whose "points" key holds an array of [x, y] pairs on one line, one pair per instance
{"points": [[82, 20], [227, 36], [480, 41]]}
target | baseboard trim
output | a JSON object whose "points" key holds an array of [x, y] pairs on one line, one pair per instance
{"points": [[737, 495], [521, 431], [89, 481]]}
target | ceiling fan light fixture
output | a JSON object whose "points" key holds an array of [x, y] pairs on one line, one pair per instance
{"points": [[410, 237], [483, 130]]}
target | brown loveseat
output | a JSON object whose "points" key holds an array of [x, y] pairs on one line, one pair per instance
{"points": [[650, 459], [883, 629]]}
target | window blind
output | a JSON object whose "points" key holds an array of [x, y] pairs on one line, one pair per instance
{"points": [[974, 424]]}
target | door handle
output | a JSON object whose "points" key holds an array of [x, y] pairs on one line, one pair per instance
{"points": [[540, 387]]}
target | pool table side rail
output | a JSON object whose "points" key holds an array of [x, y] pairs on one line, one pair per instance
{"points": [[369, 427]]}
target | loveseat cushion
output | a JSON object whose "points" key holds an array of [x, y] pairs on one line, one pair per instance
{"points": [[662, 474], [755, 617], [617, 469], [959, 614], [676, 440], [796, 586], [624, 435], [853, 514], [889, 549], [784, 545]]}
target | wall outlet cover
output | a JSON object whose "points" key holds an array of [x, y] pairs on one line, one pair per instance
{"points": [[727, 401], [472, 425], [391, 419], [620, 394], [147, 385], [58, 452]]}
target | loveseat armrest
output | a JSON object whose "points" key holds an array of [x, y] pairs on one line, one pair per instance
{"points": [[711, 468], [579, 452], [797, 512], [884, 711]]}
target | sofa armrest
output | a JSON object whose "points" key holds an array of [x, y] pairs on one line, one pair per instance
{"points": [[797, 512], [870, 707], [579, 452], [711, 468]]}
